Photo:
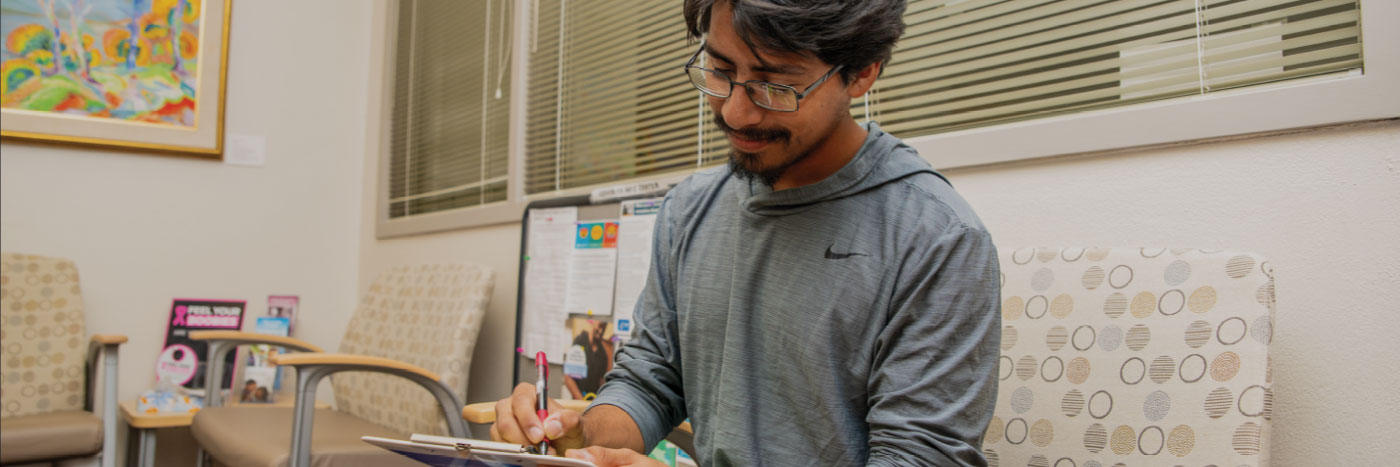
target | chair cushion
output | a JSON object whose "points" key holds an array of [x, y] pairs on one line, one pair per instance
{"points": [[1137, 356], [427, 315], [244, 436], [50, 436], [45, 343]]}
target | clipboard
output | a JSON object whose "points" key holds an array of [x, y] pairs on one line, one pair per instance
{"points": [[444, 451]]}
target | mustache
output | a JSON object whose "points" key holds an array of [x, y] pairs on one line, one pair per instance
{"points": [[753, 133]]}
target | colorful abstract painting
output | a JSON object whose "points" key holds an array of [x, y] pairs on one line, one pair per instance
{"points": [[114, 61]]}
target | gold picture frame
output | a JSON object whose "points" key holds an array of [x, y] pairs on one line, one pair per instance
{"points": [[143, 80]]}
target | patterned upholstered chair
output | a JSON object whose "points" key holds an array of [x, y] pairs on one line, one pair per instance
{"points": [[406, 353], [1133, 356], [48, 403]]}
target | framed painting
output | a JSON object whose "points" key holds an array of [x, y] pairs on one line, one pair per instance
{"points": [[146, 75]]}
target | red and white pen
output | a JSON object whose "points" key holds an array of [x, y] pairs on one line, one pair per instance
{"points": [[542, 394]]}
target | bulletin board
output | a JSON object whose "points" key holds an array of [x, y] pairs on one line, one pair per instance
{"points": [[583, 262]]}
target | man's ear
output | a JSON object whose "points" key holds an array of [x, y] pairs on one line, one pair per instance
{"points": [[864, 80]]}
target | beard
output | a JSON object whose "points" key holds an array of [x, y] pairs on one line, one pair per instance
{"points": [[749, 166]]}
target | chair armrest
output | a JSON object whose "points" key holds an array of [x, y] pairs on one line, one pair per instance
{"points": [[485, 412], [241, 338], [101, 347], [104, 346], [313, 367], [352, 362], [223, 342], [109, 338]]}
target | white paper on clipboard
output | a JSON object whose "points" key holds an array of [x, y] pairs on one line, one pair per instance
{"points": [[635, 228], [441, 455], [547, 257]]}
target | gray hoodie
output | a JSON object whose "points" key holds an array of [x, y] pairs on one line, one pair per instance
{"points": [[852, 321]]}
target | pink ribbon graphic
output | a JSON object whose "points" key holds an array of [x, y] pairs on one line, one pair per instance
{"points": [[179, 316]]}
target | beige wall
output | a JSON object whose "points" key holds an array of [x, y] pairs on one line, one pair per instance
{"points": [[145, 229]]}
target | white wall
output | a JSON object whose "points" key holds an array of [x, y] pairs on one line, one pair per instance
{"points": [[144, 229]]}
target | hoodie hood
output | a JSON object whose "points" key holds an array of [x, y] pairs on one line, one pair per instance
{"points": [[882, 159]]}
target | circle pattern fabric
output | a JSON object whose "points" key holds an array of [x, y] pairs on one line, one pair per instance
{"points": [[44, 342], [1166, 361], [426, 315]]}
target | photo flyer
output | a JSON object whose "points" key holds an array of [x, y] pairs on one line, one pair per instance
{"points": [[261, 380], [589, 357], [284, 306]]}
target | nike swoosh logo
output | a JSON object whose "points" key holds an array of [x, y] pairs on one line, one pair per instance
{"points": [[833, 255]]}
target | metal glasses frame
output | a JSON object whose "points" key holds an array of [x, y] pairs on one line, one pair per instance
{"points": [[689, 64]]}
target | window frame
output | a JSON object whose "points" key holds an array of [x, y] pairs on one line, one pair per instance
{"points": [[1329, 100]]}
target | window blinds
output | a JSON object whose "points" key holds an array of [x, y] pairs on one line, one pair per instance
{"points": [[449, 138], [607, 97], [971, 63], [623, 108]]}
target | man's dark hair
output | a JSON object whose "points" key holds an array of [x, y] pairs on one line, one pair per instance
{"points": [[851, 33]]}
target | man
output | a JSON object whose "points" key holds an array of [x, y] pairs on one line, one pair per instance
{"points": [[826, 300]]}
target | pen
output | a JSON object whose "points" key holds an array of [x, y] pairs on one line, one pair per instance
{"points": [[542, 394]]}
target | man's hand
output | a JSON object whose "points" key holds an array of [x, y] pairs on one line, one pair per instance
{"points": [[604, 457], [516, 422]]}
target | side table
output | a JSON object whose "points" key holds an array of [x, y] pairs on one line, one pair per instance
{"points": [[146, 425]]}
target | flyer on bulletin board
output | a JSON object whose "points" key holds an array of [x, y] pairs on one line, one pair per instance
{"points": [[546, 262], [635, 230], [184, 361], [592, 268]]}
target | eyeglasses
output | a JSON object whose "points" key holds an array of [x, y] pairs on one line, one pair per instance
{"points": [[771, 96]]}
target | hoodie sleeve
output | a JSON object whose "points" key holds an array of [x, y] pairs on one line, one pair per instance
{"points": [[934, 383], [646, 380]]}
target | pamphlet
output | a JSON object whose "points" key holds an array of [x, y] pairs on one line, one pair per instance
{"points": [[184, 362], [284, 306], [262, 379]]}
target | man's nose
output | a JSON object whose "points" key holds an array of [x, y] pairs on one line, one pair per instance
{"points": [[739, 111]]}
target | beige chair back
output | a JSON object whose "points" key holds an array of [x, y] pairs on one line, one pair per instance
{"points": [[427, 315], [42, 340], [1133, 356]]}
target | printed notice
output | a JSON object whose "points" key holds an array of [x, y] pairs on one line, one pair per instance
{"points": [[635, 228], [592, 269], [547, 257]]}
